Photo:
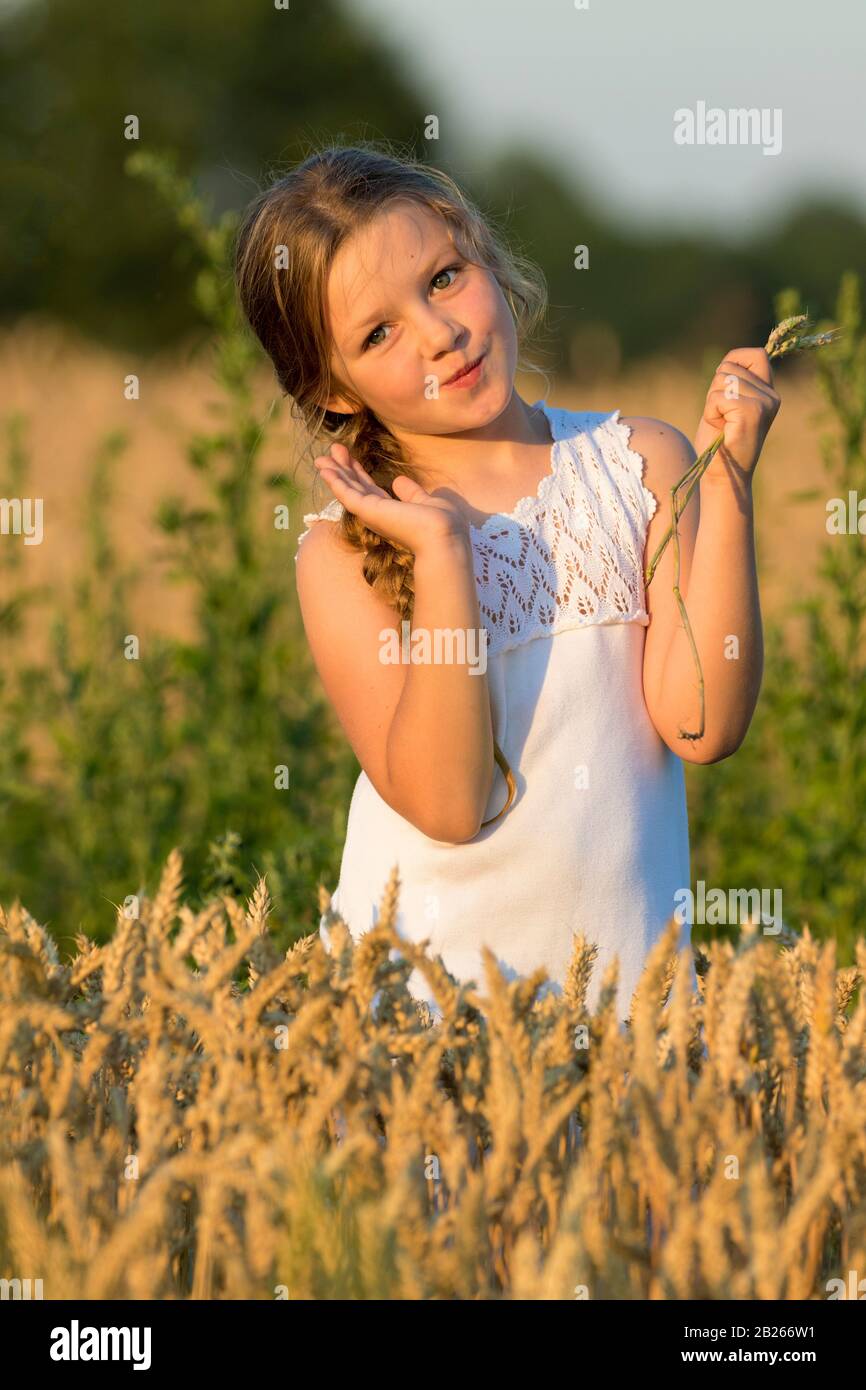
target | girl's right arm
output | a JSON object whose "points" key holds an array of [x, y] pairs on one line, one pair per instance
{"points": [[422, 732]]}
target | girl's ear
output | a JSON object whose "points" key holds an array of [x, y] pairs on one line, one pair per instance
{"points": [[339, 405]]}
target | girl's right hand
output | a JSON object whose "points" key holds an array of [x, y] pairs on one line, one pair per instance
{"points": [[413, 520]]}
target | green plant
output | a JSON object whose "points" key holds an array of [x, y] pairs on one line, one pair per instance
{"points": [[788, 807], [185, 741]]}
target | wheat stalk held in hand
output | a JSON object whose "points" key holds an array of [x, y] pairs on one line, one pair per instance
{"points": [[787, 337]]}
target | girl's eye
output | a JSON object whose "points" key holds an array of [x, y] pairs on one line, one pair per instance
{"points": [[445, 271]]}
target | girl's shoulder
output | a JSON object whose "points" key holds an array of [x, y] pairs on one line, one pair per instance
{"points": [[330, 580], [654, 452], [328, 570]]}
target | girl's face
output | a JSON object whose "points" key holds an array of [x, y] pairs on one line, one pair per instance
{"points": [[406, 312]]}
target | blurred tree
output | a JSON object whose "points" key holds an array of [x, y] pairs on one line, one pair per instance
{"points": [[673, 293], [238, 92], [227, 87]]}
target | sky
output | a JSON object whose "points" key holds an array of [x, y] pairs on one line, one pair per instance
{"points": [[595, 90]]}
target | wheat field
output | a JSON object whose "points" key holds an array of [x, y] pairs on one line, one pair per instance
{"points": [[187, 1113]]}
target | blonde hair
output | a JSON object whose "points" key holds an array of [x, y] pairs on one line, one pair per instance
{"points": [[285, 245]]}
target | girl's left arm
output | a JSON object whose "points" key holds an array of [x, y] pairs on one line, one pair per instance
{"points": [[718, 575]]}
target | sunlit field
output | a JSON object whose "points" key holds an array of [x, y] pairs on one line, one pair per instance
{"points": [[196, 1099]]}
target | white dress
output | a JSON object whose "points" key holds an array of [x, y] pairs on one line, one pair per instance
{"points": [[596, 839]]}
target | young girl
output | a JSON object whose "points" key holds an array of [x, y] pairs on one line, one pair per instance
{"points": [[522, 762]]}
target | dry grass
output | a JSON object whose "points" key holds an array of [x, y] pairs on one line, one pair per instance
{"points": [[186, 1113]]}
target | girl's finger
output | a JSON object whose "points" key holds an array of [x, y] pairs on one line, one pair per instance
{"points": [[721, 382], [351, 474], [335, 482], [342, 470], [755, 361], [363, 477], [745, 386], [359, 469], [347, 462]]}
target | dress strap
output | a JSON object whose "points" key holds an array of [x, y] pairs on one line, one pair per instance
{"points": [[643, 503], [332, 512]]}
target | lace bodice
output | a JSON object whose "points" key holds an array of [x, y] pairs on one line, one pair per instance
{"points": [[572, 554]]}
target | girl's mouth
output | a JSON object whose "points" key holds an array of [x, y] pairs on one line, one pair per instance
{"points": [[469, 377]]}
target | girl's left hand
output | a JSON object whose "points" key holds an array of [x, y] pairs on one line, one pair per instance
{"points": [[742, 404]]}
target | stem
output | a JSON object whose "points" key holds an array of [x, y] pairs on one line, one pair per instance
{"points": [[690, 479], [695, 473], [682, 607]]}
